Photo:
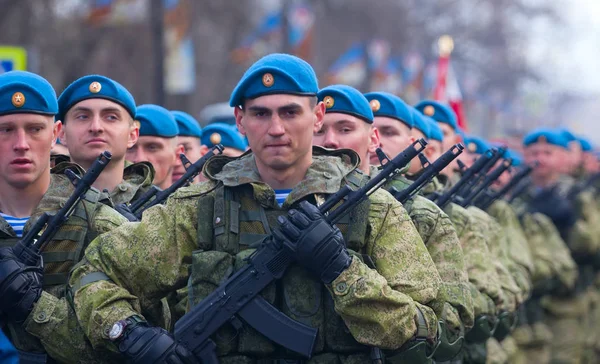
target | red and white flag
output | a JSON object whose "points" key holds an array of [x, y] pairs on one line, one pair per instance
{"points": [[447, 89]]}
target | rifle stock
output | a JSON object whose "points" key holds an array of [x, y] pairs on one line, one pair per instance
{"points": [[524, 172], [487, 182], [238, 296]]}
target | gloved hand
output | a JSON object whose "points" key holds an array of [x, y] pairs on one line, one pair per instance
{"points": [[20, 286], [317, 246], [124, 210], [144, 344]]}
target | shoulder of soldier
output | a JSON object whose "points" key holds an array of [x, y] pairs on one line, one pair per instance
{"points": [[195, 190], [60, 168], [106, 219], [139, 174], [383, 203]]}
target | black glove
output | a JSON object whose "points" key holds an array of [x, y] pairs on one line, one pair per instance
{"points": [[124, 210], [144, 344], [317, 246], [20, 286]]}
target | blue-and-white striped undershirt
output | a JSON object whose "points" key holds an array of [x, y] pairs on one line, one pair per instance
{"points": [[281, 195], [17, 223]]}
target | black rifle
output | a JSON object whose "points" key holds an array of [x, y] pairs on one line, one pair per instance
{"points": [[498, 154], [467, 177], [428, 174], [487, 182], [192, 170], [239, 296], [28, 248], [519, 190], [518, 177]]}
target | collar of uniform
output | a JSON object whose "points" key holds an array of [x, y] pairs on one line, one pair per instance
{"points": [[136, 176], [325, 175], [6, 231]]}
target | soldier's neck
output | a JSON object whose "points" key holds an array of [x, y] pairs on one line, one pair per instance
{"points": [[21, 201], [545, 181], [284, 178], [111, 176]]}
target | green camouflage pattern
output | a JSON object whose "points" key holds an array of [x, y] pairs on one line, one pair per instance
{"points": [[52, 325], [377, 306], [441, 240]]}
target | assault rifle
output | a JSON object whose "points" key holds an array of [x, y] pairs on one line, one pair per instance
{"points": [[29, 247], [584, 185], [239, 295], [192, 170], [466, 179], [428, 174], [487, 182], [524, 172]]}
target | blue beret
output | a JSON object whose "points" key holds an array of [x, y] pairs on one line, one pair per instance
{"points": [[156, 121], [187, 125], [566, 133], [391, 106], [419, 123], [435, 132], [439, 112], [543, 135], [517, 158], [476, 145], [276, 73], [94, 87], [346, 100], [26, 92], [586, 145], [226, 134]]}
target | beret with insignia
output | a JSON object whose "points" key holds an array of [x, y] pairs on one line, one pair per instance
{"points": [[439, 112], [346, 100], [187, 125], [476, 145], [391, 106], [275, 73], [156, 121], [544, 135], [226, 134], [26, 92], [95, 87]]}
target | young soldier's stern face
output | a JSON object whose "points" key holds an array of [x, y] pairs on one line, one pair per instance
{"points": [[95, 125], [394, 137], [280, 128], [25, 143]]}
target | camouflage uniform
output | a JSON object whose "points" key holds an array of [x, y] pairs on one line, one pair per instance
{"points": [[378, 307], [568, 313], [52, 326]]}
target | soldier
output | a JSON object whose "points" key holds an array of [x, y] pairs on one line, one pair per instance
{"points": [[591, 164], [348, 123], [39, 320], [157, 144], [97, 114], [228, 135], [276, 108], [189, 138], [549, 194]]}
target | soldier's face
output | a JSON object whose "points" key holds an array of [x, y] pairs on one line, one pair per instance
{"points": [[161, 152], [193, 149], [415, 165], [394, 137], [591, 163], [347, 131], [95, 125], [548, 157], [25, 143], [450, 138], [280, 129]]}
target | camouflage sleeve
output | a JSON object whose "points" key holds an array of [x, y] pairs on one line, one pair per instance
{"points": [[405, 279], [54, 322], [512, 295], [159, 247], [439, 236], [478, 259], [53, 319], [584, 237]]}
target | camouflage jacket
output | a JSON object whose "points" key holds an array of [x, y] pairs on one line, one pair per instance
{"points": [[147, 260], [441, 240], [517, 247], [52, 325], [483, 278], [137, 179]]}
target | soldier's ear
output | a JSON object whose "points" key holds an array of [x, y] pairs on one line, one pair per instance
{"points": [[319, 114], [59, 132], [239, 114]]}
